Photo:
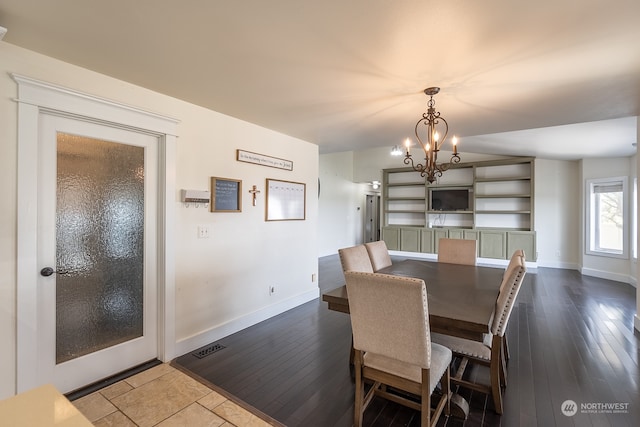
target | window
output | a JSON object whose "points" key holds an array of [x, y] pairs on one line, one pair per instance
{"points": [[607, 218]]}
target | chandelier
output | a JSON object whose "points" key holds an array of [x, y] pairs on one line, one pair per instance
{"points": [[433, 129]]}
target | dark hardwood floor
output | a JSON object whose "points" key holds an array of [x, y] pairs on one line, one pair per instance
{"points": [[571, 337]]}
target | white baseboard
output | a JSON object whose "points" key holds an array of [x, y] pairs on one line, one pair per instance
{"points": [[624, 278], [205, 337], [559, 264]]}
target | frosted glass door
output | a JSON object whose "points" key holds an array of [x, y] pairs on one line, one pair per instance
{"points": [[97, 222], [99, 244]]}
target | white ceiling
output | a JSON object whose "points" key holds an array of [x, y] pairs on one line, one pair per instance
{"points": [[551, 78]]}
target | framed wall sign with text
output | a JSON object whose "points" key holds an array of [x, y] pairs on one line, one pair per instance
{"points": [[226, 195], [263, 160]]}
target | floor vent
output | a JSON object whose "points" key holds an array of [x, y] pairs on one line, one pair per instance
{"points": [[205, 351]]}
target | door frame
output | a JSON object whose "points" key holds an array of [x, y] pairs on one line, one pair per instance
{"points": [[376, 215], [34, 98]]}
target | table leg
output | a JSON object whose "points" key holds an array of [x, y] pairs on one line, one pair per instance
{"points": [[459, 406]]}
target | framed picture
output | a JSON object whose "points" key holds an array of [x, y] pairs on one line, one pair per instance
{"points": [[226, 195], [263, 160], [285, 200]]}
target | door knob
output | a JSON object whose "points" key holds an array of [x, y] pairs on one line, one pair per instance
{"points": [[48, 271]]}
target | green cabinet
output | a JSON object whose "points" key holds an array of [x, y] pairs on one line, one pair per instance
{"points": [[391, 237], [427, 241], [410, 239], [456, 233], [470, 234], [440, 233], [522, 240], [493, 244]]}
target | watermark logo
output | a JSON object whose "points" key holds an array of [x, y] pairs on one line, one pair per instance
{"points": [[569, 408]]}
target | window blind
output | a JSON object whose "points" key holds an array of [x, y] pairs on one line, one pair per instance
{"points": [[609, 187]]}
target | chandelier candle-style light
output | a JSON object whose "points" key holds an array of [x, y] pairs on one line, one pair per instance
{"points": [[434, 130]]}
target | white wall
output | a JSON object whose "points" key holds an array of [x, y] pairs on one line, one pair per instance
{"points": [[221, 282], [341, 205], [636, 319], [557, 210], [633, 262]]}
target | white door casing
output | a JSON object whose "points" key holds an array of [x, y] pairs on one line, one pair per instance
{"points": [[86, 369], [35, 99]]}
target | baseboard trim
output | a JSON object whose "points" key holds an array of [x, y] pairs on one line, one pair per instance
{"points": [[624, 278], [559, 264], [200, 339]]}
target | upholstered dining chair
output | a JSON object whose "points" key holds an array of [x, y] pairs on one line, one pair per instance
{"points": [[378, 254], [391, 337], [515, 258], [457, 251], [355, 258], [490, 352]]}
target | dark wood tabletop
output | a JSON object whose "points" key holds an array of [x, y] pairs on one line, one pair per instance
{"points": [[461, 298]]}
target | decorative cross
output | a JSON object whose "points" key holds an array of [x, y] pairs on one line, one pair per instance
{"points": [[254, 192]]}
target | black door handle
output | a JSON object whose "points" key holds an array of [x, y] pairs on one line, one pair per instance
{"points": [[48, 271]]}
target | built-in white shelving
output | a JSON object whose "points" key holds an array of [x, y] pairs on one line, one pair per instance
{"points": [[499, 214]]}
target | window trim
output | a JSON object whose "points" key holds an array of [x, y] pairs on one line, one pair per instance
{"points": [[589, 219]]}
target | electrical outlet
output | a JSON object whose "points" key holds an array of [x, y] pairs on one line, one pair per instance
{"points": [[203, 232]]}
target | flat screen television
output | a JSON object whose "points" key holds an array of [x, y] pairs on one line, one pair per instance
{"points": [[444, 199]]}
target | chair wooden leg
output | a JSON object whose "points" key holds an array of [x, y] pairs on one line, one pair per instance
{"points": [[444, 402], [446, 389], [358, 405], [495, 368], [425, 411], [505, 346], [503, 370]]}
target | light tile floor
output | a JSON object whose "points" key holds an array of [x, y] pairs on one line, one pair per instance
{"points": [[165, 397]]}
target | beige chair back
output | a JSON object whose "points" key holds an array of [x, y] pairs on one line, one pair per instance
{"points": [[457, 251], [378, 254], [355, 258], [509, 289], [514, 259], [389, 316]]}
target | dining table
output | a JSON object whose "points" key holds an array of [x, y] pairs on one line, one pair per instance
{"points": [[461, 298]]}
